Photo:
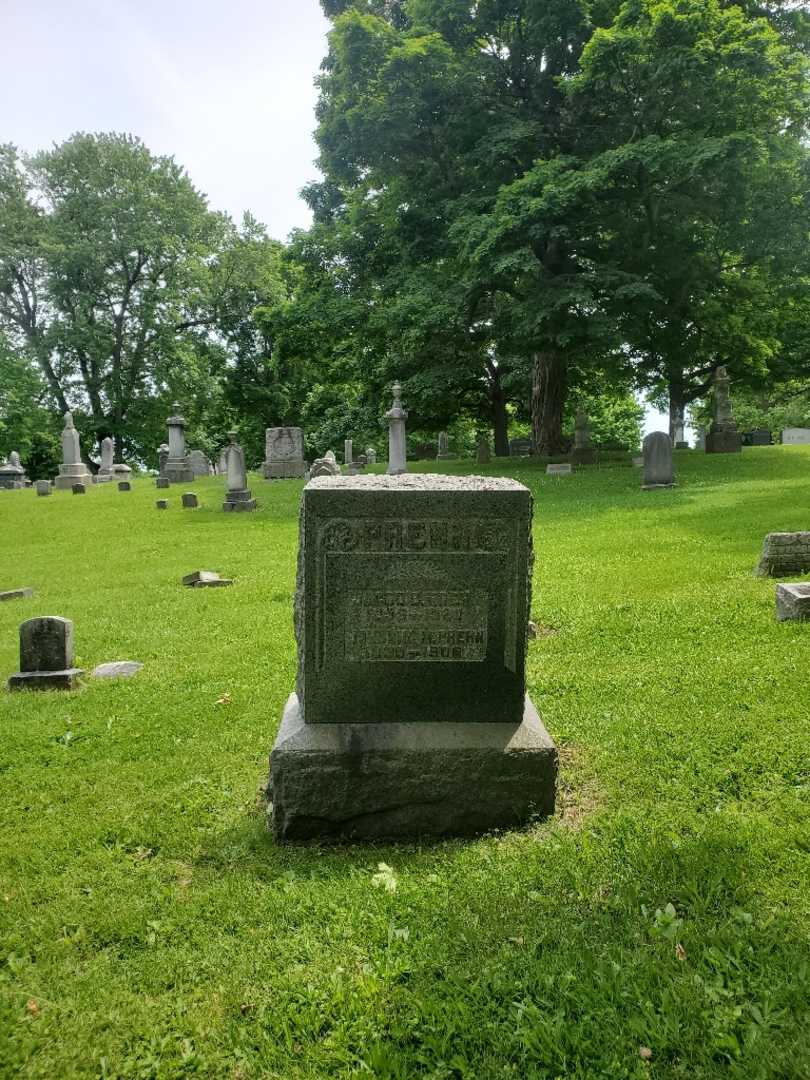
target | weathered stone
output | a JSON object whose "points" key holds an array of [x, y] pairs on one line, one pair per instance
{"points": [[723, 437], [443, 452], [121, 470], [72, 470], [324, 466], [396, 417], [237, 496], [12, 474], [784, 554], [638, 462], [757, 437], [700, 438], [46, 655], [177, 467], [793, 602], [483, 454], [162, 504], [347, 452], [43, 487], [520, 447], [124, 485], [117, 669], [190, 500], [105, 471], [411, 622], [163, 457], [369, 781], [199, 464], [78, 489], [559, 470], [371, 455], [658, 472], [201, 579], [16, 594], [676, 427], [162, 482], [796, 436], [284, 453], [582, 453]]}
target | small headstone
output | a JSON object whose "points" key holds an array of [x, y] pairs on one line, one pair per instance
{"points": [[443, 452], [16, 594], [796, 436], [658, 472], [347, 451], [559, 470], [521, 447], [199, 463], [237, 495], [483, 454], [283, 453], [162, 504], [12, 474], [793, 602], [202, 579], [700, 438], [162, 482], [189, 500], [46, 655], [411, 620], [43, 487], [325, 466], [397, 443], [117, 669], [784, 554], [124, 485], [105, 471], [371, 455], [78, 489]]}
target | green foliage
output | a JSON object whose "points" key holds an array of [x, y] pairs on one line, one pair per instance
{"points": [[151, 928], [785, 405]]}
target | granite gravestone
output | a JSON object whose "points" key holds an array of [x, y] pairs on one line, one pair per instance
{"points": [[79, 489], [396, 417], [162, 504], [520, 447], [657, 451], [677, 427], [443, 453], [371, 455], [723, 437], [325, 466], [189, 500], [284, 453], [795, 436], [163, 457], [72, 470], [483, 454], [565, 469], [177, 467], [411, 622], [237, 495], [784, 554], [124, 485], [105, 471], [161, 482], [12, 474], [347, 452], [793, 602], [46, 655], [199, 464], [582, 452], [43, 487], [700, 438]]}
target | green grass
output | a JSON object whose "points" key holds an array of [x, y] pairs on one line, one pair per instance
{"points": [[151, 927]]}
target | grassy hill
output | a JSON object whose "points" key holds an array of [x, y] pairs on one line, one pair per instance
{"points": [[656, 927]]}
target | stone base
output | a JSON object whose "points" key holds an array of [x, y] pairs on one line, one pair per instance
{"points": [[724, 441], [655, 487], [45, 680], [793, 602], [79, 474], [103, 478], [584, 455], [179, 472], [285, 470], [370, 781], [784, 554], [239, 500]]}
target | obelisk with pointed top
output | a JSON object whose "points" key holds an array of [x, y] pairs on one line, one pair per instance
{"points": [[177, 469], [396, 417], [237, 496], [72, 470]]}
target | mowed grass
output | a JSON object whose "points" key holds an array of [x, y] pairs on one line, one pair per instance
{"points": [[656, 927]]}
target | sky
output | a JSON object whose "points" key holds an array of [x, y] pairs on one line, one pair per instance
{"points": [[226, 87]]}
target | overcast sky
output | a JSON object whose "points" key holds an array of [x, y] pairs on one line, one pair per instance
{"points": [[224, 86]]}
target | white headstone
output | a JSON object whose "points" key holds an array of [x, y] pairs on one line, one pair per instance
{"points": [[796, 436], [396, 417]]}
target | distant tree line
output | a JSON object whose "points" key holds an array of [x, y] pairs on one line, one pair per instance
{"points": [[523, 206]]}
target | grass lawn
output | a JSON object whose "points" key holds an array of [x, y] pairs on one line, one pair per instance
{"points": [[656, 927]]}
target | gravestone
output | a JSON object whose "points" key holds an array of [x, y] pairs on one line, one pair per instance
{"points": [[105, 471], [177, 467], [163, 457], [443, 453], [162, 482], [559, 470], [582, 453], [347, 452], [520, 447], [371, 455], [205, 579], [72, 470], [723, 437], [396, 417], [796, 436], [483, 454], [411, 613], [784, 554], [657, 452], [237, 495], [793, 602], [638, 462], [325, 466], [79, 489], [700, 438], [757, 437], [124, 485], [12, 474], [284, 453], [17, 594], [43, 487], [46, 655], [677, 428], [121, 470], [162, 504], [222, 465], [189, 500], [117, 669], [199, 464]]}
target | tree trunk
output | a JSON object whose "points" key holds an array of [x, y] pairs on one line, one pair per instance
{"points": [[499, 417], [549, 393]]}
